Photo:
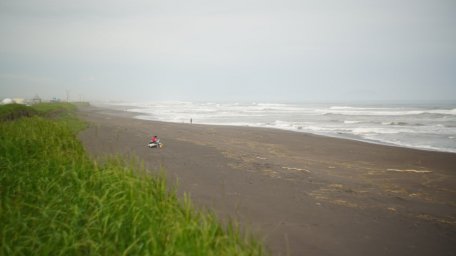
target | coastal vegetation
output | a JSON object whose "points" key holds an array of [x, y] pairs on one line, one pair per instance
{"points": [[15, 111], [56, 200]]}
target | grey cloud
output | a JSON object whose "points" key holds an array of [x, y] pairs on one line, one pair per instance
{"points": [[296, 50]]}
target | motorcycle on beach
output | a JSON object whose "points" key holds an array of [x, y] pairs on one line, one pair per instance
{"points": [[156, 144]]}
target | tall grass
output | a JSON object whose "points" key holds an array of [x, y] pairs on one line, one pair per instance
{"points": [[15, 111], [55, 200], [61, 112]]}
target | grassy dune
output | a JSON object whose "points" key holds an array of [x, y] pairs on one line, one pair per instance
{"points": [[55, 200]]}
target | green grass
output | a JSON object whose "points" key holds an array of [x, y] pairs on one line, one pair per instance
{"points": [[62, 112], [15, 111], [55, 200]]}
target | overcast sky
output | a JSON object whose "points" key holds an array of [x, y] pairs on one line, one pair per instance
{"points": [[233, 50]]}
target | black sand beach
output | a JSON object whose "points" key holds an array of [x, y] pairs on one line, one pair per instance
{"points": [[303, 194]]}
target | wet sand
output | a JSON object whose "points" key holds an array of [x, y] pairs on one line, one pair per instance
{"points": [[302, 194]]}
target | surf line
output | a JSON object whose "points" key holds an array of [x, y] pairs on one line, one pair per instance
{"points": [[415, 171], [295, 169]]}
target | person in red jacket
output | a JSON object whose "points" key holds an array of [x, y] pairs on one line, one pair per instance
{"points": [[154, 139]]}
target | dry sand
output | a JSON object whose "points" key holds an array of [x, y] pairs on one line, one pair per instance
{"points": [[302, 194]]}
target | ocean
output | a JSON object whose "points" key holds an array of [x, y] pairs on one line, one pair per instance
{"points": [[422, 126]]}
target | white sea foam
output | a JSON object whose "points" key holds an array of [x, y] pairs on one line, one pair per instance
{"points": [[356, 108], [356, 111], [351, 122], [376, 130]]}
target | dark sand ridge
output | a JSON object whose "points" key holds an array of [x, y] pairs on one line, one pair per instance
{"points": [[303, 194]]}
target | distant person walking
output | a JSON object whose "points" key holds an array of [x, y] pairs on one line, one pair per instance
{"points": [[191, 121]]}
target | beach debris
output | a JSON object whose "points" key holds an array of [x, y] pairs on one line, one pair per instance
{"points": [[233, 194], [261, 158], [336, 186], [411, 170], [295, 169], [445, 220], [344, 203], [271, 173]]}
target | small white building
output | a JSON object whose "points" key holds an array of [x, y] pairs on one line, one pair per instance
{"points": [[19, 100], [36, 99], [7, 101]]}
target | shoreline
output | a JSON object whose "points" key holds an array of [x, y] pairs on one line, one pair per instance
{"points": [[373, 142], [349, 137], [302, 193], [384, 134]]}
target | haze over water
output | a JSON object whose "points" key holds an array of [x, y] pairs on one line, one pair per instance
{"points": [[199, 50], [245, 51]]}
